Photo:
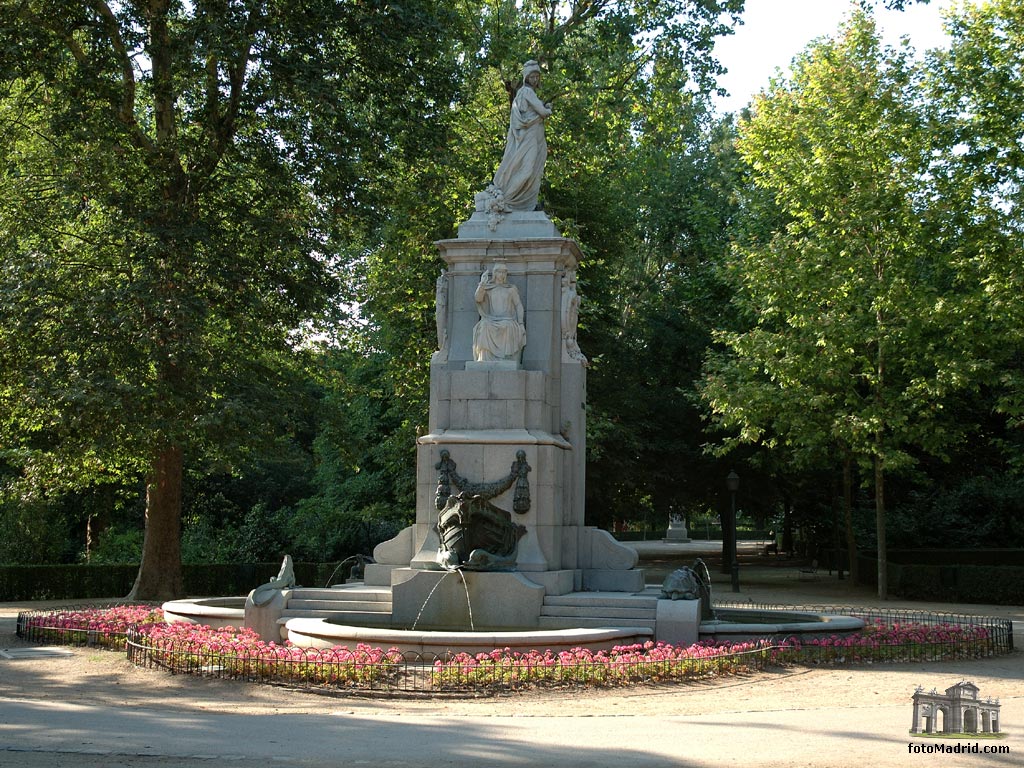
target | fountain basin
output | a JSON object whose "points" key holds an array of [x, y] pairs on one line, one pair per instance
{"points": [[731, 626], [742, 624], [323, 633], [216, 612]]}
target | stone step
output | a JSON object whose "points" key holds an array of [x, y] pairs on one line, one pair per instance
{"points": [[311, 606], [597, 612], [359, 593], [356, 618], [603, 599], [569, 622]]}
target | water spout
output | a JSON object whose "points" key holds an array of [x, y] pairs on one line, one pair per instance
{"points": [[430, 594], [707, 610], [357, 569], [469, 604]]}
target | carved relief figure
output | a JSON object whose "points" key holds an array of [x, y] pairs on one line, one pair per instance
{"points": [[500, 333], [571, 317], [441, 309]]}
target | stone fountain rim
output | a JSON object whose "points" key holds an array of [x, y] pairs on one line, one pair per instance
{"points": [[330, 633], [809, 622], [219, 607]]}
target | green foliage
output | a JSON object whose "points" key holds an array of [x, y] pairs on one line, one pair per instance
{"points": [[983, 511], [860, 325], [224, 250], [33, 531], [180, 183], [65, 582], [93, 582], [975, 90], [115, 546], [867, 324], [987, 584]]}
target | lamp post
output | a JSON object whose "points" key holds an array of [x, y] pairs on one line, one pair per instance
{"points": [[732, 482]]}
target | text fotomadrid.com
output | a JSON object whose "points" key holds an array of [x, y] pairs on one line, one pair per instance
{"points": [[960, 748]]}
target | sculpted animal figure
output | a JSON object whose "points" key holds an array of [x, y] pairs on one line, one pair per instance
{"points": [[285, 578], [682, 584]]}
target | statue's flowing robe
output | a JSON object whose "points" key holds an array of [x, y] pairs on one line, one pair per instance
{"points": [[522, 166]]}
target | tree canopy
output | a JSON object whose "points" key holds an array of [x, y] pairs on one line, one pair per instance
{"points": [[180, 182]]}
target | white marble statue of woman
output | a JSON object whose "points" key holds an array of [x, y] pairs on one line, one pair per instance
{"points": [[522, 166], [500, 333]]}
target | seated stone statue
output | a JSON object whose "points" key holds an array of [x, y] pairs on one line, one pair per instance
{"points": [[500, 333]]}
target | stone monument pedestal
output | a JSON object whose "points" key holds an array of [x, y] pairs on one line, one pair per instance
{"points": [[677, 532], [441, 600], [483, 414]]}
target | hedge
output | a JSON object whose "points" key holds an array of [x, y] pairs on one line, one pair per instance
{"points": [[89, 582], [949, 579]]}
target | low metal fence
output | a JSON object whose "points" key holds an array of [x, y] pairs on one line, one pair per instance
{"points": [[100, 625], [968, 635], [377, 670], [892, 635]]}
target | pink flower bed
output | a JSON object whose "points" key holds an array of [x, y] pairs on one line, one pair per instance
{"points": [[239, 652], [95, 626], [649, 661], [894, 642]]}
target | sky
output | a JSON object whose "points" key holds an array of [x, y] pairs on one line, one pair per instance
{"points": [[774, 31]]}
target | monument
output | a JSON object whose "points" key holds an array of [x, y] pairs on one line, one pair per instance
{"points": [[499, 555], [507, 388], [677, 529], [959, 710]]}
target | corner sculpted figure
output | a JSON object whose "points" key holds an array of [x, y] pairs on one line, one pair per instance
{"points": [[441, 309], [522, 166], [500, 333], [570, 318]]}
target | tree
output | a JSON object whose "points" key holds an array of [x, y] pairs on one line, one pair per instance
{"points": [[651, 343], [179, 181], [861, 324], [975, 89]]}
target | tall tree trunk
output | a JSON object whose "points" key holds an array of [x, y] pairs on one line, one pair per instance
{"points": [[851, 542], [883, 562], [726, 568], [160, 575], [787, 524]]}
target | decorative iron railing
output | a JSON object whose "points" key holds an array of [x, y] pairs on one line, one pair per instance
{"points": [[367, 669], [968, 635], [104, 626]]}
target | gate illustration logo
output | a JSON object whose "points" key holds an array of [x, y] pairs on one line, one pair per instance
{"points": [[957, 711]]}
